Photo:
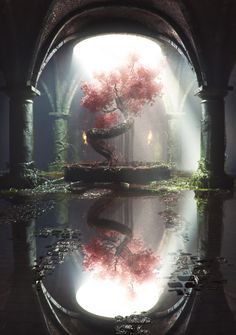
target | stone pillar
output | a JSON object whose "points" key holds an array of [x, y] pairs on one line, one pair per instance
{"points": [[210, 172], [60, 140], [21, 136], [174, 149]]}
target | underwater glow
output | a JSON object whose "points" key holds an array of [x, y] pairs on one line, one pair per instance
{"points": [[108, 51], [109, 298]]}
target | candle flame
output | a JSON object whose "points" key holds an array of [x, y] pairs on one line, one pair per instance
{"points": [[84, 137], [149, 137]]}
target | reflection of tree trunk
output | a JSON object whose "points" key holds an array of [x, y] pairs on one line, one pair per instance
{"points": [[98, 208]]}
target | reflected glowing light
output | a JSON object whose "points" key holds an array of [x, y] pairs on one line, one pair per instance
{"points": [[112, 297], [84, 137], [108, 51], [108, 298], [149, 137]]}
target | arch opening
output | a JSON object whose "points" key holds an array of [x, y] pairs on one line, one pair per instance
{"points": [[167, 130]]}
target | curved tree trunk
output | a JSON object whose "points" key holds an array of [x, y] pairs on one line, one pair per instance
{"points": [[96, 137]]}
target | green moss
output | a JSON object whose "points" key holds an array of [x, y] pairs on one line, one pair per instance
{"points": [[201, 177], [205, 179], [176, 183], [56, 166], [51, 174]]}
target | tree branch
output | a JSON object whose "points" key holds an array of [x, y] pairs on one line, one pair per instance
{"points": [[118, 100]]}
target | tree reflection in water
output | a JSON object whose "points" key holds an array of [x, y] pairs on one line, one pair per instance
{"points": [[114, 253], [134, 263]]}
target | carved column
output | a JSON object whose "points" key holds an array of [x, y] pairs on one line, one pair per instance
{"points": [[21, 135], [60, 139], [211, 168]]}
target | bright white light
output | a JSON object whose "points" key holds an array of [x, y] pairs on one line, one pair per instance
{"points": [[187, 128], [106, 52], [149, 137], [102, 53], [108, 299]]}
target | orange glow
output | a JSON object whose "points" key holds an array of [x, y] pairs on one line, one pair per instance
{"points": [[84, 137]]}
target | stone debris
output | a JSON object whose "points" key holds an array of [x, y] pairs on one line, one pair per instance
{"points": [[68, 242], [132, 324], [22, 210]]}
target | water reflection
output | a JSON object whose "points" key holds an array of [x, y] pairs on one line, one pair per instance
{"points": [[121, 264], [122, 269], [133, 256]]}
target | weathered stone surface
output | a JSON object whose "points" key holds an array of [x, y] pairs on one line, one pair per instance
{"points": [[120, 173]]}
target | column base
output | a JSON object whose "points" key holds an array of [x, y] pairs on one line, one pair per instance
{"points": [[21, 176], [205, 179], [56, 166], [215, 182]]}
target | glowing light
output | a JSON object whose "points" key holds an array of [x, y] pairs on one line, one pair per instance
{"points": [[185, 119], [108, 298], [105, 52], [108, 51], [149, 137], [84, 137]]}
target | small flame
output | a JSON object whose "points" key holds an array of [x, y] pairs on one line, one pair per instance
{"points": [[84, 137], [149, 137]]}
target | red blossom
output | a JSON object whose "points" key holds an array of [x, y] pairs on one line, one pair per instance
{"points": [[106, 120], [95, 97], [134, 263], [126, 88], [96, 255]]}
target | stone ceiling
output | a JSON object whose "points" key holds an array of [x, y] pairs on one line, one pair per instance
{"points": [[31, 29]]}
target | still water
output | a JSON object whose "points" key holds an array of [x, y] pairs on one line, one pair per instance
{"points": [[105, 263]]}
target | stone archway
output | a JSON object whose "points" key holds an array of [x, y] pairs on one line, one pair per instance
{"points": [[160, 20]]}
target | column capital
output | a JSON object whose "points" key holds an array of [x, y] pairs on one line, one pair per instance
{"points": [[60, 115], [26, 92], [212, 93]]}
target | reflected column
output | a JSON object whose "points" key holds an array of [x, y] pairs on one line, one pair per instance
{"points": [[22, 311], [211, 313], [210, 218]]}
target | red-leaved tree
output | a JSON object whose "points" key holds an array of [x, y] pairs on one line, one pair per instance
{"points": [[119, 95], [133, 263]]}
